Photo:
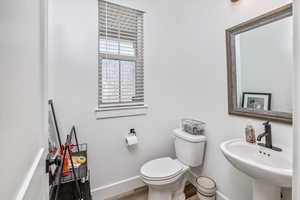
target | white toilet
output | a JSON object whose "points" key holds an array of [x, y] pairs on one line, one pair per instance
{"points": [[165, 176]]}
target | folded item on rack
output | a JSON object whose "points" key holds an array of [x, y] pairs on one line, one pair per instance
{"points": [[78, 160]]}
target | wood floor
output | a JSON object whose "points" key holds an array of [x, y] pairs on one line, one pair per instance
{"points": [[141, 194]]}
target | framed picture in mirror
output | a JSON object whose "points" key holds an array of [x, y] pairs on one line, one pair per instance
{"points": [[256, 101]]}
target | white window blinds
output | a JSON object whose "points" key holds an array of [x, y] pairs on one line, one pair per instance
{"points": [[121, 55]]}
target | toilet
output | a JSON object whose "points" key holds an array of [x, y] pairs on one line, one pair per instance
{"points": [[165, 176]]}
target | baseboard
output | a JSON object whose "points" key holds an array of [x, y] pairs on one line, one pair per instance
{"points": [[117, 188], [127, 185], [221, 196], [28, 185]]}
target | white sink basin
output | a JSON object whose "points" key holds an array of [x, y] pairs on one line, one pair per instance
{"points": [[270, 169]]}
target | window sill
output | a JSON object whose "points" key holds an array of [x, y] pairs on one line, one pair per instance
{"points": [[128, 111]]}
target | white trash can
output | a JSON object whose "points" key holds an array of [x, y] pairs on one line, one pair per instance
{"points": [[206, 188]]}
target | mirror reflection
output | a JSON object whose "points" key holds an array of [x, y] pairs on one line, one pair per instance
{"points": [[264, 67]]}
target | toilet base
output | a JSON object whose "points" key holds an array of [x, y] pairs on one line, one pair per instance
{"points": [[172, 191], [158, 194]]}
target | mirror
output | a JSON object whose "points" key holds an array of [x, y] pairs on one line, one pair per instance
{"points": [[260, 66]]}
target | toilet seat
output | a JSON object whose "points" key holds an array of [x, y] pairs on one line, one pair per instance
{"points": [[163, 181], [161, 169]]}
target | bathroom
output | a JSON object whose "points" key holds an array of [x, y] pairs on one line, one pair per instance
{"points": [[185, 76]]}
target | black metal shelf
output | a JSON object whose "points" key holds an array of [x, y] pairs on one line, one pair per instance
{"points": [[67, 191], [81, 172], [73, 184]]}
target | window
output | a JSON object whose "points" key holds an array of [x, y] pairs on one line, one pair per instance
{"points": [[121, 52]]}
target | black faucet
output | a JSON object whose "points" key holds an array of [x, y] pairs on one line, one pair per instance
{"points": [[268, 135]]}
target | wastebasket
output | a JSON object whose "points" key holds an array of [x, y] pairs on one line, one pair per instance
{"points": [[206, 188]]}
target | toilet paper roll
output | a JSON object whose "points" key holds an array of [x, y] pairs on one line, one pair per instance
{"points": [[131, 140]]}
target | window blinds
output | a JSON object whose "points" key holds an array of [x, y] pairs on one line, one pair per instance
{"points": [[121, 55]]}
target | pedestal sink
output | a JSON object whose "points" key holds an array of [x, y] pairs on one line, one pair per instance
{"points": [[269, 169]]}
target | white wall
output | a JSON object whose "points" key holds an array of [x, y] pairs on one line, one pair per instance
{"points": [[185, 76], [296, 100], [267, 62], [22, 89]]}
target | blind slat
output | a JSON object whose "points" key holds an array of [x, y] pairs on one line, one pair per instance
{"points": [[107, 6], [116, 35], [120, 26], [103, 15]]}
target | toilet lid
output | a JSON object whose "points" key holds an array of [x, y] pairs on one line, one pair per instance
{"points": [[162, 168]]}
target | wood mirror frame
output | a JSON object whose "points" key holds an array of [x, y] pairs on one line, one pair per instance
{"points": [[231, 33]]}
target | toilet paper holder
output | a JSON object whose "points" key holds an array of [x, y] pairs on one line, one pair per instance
{"points": [[132, 139], [132, 132]]}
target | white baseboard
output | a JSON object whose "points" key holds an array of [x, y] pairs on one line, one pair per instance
{"points": [[221, 196], [127, 185], [117, 188], [27, 184]]}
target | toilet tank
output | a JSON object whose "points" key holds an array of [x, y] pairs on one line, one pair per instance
{"points": [[189, 148]]}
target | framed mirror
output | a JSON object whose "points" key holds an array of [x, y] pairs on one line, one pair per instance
{"points": [[260, 66]]}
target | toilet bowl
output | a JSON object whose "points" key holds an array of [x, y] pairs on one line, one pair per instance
{"points": [[165, 176], [162, 169]]}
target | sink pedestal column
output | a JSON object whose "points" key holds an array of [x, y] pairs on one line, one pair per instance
{"points": [[265, 191]]}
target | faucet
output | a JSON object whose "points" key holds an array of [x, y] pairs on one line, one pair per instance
{"points": [[268, 137], [267, 134]]}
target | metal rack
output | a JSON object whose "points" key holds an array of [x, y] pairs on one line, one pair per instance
{"points": [[77, 178], [75, 184], [50, 103], [81, 172]]}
